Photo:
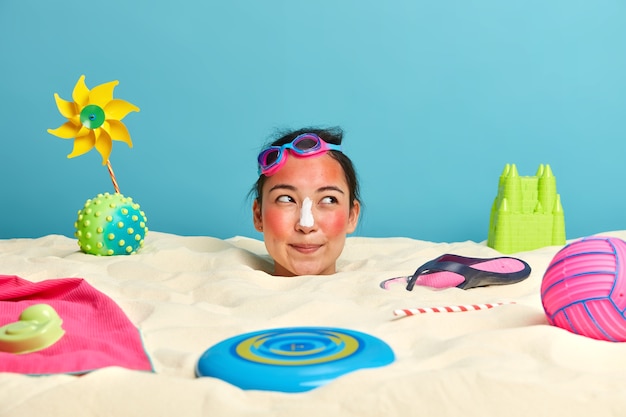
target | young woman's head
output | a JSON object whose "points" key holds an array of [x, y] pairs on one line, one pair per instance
{"points": [[306, 201]]}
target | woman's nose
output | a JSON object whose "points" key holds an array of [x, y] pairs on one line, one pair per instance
{"points": [[306, 213], [306, 221]]}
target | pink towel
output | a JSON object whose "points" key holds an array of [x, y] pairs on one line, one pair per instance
{"points": [[97, 332]]}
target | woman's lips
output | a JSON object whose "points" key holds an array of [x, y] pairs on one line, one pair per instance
{"points": [[305, 248]]}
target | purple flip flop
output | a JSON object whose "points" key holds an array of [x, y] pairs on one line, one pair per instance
{"points": [[463, 272]]}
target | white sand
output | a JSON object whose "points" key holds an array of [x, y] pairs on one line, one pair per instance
{"points": [[186, 294]]}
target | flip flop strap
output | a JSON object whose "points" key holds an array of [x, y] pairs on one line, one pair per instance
{"points": [[447, 266]]}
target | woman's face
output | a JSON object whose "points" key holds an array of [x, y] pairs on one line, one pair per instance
{"points": [[305, 215]]}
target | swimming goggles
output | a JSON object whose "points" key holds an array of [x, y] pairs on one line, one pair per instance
{"points": [[305, 145]]}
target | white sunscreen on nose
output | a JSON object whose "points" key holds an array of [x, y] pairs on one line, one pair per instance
{"points": [[306, 215]]}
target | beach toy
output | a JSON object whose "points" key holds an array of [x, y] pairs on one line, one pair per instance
{"points": [[94, 121], [293, 359], [526, 213], [39, 327], [110, 224], [584, 288]]}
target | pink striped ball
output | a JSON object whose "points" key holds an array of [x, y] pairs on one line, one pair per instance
{"points": [[584, 288]]}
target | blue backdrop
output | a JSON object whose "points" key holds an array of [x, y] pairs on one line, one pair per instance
{"points": [[435, 98]]}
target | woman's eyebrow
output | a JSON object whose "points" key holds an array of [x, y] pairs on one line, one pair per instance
{"points": [[283, 187], [330, 188], [319, 190]]}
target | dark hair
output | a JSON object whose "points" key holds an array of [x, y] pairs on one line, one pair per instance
{"points": [[332, 135]]}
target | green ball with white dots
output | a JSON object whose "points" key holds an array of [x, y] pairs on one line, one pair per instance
{"points": [[110, 224]]}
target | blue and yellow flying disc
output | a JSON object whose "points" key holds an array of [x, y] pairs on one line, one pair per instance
{"points": [[292, 359]]}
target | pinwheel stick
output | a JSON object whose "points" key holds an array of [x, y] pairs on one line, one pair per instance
{"points": [[112, 174]]}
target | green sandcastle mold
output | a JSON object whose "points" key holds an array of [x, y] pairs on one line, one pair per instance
{"points": [[527, 213]]}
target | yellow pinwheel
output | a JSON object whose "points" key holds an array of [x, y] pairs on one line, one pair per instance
{"points": [[94, 119]]}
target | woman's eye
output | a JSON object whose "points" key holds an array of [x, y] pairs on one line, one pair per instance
{"points": [[284, 199], [329, 200]]}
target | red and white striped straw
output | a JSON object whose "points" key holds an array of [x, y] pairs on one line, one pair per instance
{"points": [[110, 168], [447, 309]]}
